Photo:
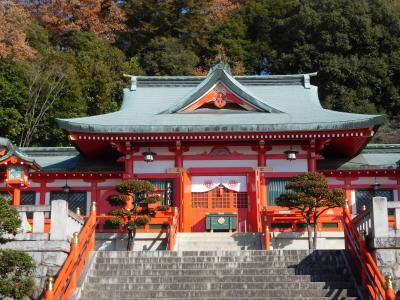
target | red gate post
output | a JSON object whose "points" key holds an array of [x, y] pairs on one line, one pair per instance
{"points": [[75, 255], [49, 294], [267, 241], [389, 293]]}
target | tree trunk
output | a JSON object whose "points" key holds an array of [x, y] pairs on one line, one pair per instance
{"points": [[310, 239], [315, 233], [131, 239]]}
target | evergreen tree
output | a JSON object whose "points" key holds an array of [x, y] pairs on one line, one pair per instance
{"points": [[167, 56], [15, 266], [310, 194], [134, 199]]}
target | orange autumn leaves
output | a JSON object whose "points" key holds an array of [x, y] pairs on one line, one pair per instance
{"points": [[13, 39]]}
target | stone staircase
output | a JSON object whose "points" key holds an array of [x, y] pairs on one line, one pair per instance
{"points": [[211, 241], [247, 274]]}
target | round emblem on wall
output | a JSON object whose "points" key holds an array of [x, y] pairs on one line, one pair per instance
{"points": [[221, 220]]}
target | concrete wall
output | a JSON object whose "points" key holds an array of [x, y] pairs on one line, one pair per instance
{"points": [[48, 255], [299, 240], [119, 241]]}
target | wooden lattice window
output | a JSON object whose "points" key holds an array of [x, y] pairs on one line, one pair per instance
{"points": [[239, 200], [220, 197], [75, 199], [200, 200]]}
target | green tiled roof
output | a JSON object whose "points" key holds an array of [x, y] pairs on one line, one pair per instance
{"points": [[14, 150], [286, 103], [373, 156], [68, 159]]}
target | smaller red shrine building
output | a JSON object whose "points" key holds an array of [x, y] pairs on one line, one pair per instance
{"points": [[213, 144]]}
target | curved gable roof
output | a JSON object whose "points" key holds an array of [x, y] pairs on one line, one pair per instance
{"points": [[221, 73], [284, 103]]}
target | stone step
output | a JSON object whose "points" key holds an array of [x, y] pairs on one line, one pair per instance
{"points": [[182, 259], [218, 253], [118, 271], [110, 285], [100, 292], [210, 265], [326, 278]]}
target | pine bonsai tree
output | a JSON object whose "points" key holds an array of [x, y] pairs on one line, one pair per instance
{"points": [[133, 202], [15, 266], [309, 193]]}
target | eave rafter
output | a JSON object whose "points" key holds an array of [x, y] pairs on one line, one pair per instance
{"points": [[116, 138]]}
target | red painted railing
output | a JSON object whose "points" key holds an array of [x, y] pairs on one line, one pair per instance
{"points": [[158, 223], [172, 230], [272, 217], [81, 246], [371, 278]]}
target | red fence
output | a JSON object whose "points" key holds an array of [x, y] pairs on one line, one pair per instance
{"points": [[371, 278], [81, 246], [84, 243]]}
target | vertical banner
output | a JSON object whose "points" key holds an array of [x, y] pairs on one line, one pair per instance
{"points": [[254, 194]]}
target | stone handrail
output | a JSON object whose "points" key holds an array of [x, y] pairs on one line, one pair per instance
{"points": [[375, 221], [380, 218], [363, 221], [63, 221]]}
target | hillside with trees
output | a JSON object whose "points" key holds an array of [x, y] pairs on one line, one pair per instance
{"points": [[66, 58]]}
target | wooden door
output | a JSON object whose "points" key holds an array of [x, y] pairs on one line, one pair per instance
{"points": [[218, 200]]}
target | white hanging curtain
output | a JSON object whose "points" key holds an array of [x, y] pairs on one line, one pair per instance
{"points": [[207, 183]]}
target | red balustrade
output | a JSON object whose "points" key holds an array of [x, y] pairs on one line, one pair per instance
{"points": [[371, 278], [81, 246]]}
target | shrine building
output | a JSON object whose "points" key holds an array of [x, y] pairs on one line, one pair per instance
{"points": [[215, 144]]}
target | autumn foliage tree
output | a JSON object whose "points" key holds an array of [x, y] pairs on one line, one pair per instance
{"points": [[310, 194], [102, 17], [13, 39], [133, 207]]}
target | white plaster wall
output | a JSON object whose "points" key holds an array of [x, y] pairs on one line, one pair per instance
{"points": [[219, 163], [371, 180], [71, 182], [34, 184], [37, 198], [334, 181], [395, 195], [353, 202], [47, 198], [299, 240], [88, 201], [280, 149], [109, 182], [283, 165], [161, 166]]}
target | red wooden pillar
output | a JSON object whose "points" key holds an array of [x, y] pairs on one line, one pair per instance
{"points": [[261, 154], [128, 166], [178, 155], [312, 158], [185, 209], [253, 190], [42, 193], [17, 196]]}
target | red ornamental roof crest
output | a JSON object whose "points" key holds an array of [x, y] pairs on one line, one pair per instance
{"points": [[233, 184], [208, 183]]}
